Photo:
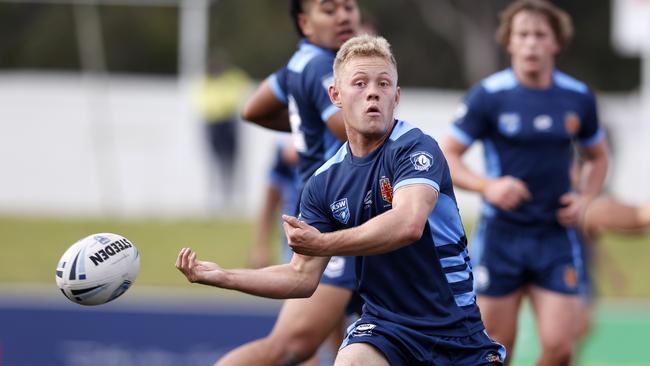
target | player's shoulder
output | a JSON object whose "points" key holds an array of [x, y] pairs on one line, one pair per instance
{"points": [[569, 83], [499, 81], [310, 56], [404, 133], [332, 163]]}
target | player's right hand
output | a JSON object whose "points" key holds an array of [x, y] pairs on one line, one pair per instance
{"points": [[506, 193]]}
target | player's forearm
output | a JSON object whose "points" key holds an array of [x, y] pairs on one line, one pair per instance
{"points": [[278, 121], [276, 282], [382, 234], [463, 177], [596, 172]]}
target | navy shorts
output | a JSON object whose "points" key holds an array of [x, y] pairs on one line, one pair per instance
{"points": [[405, 346], [340, 273], [506, 257]]}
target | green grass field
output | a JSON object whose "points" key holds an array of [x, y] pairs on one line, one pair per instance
{"points": [[31, 247]]}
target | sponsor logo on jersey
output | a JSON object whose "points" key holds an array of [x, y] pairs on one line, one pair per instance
{"points": [[543, 122], [570, 277], [386, 191], [509, 123], [363, 330], [367, 200], [335, 267], [421, 160], [571, 123], [341, 211]]}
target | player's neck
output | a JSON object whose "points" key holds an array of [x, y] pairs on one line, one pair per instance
{"points": [[361, 145], [540, 79]]}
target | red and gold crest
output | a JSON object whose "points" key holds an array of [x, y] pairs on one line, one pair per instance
{"points": [[570, 277], [571, 123], [386, 190]]}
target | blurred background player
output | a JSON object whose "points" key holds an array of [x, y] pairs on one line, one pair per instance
{"points": [[280, 196], [295, 98], [528, 118], [218, 98]]}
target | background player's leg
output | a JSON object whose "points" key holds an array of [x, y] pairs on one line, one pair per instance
{"points": [[302, 326], [499, 315], [360, 354], [557, 324]]}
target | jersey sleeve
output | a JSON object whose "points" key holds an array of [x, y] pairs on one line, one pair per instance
{"points": [[278, 83], [312, 210], [420, 161], [319, 75], [590, 131], [471, 121]]}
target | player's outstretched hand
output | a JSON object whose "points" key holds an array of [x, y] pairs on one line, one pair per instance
{"points": [[302, 238], [203, 272]]}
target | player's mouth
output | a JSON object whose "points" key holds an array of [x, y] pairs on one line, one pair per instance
{"points": [[373, 111], [345, 34]]}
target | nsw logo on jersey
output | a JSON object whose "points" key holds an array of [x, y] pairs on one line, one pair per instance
{"points": [[509, 123], [421, 160], [341, 211]]}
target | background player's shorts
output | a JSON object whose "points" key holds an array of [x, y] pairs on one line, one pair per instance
{"points": [[506, 257], [340, 273], [405, 346]]}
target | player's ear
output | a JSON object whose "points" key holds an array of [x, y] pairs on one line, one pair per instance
{"points": [[335, 95], [305, 26], [397, 96]]}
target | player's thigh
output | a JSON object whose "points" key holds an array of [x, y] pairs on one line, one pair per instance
{"points": [[310, 320], [360, 354], [499, 314], [557, 316]]}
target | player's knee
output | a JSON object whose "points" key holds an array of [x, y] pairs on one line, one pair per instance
{"points": [[561, 352]]}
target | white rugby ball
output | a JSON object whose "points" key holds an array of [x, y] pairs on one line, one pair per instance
{"points": [[97, 269]]}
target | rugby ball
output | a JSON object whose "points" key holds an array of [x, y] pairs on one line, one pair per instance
{"points": [[97, 269]]}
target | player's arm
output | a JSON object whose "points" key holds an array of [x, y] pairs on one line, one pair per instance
{"points": [[299, 278], [265, 109], [505, 192], [591, 179], [393, 229]]}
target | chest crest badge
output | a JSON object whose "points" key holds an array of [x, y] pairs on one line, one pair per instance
{"points": [[571, 123], [386, 191]]}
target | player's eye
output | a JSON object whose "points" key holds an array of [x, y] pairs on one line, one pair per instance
{"points": [[360, 83]]}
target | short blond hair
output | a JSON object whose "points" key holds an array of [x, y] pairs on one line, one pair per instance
{"points": [[558, 19], [363, 46]]}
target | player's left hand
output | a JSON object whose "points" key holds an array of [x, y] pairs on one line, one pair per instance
{"points": [[302, 238], [571, 211], [203, 272]]}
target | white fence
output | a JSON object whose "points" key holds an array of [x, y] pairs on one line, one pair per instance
{"points": [[133, 146]]}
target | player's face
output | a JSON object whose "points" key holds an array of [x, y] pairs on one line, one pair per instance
{"points": [[329, 23], [532, 45], [367, 92]]}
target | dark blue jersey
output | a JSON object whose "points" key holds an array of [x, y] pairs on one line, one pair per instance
{"points": [[425, 285], [529, 134], [302, 84]]}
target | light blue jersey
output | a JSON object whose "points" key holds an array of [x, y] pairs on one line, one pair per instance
{"points": [[529, 134]]}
